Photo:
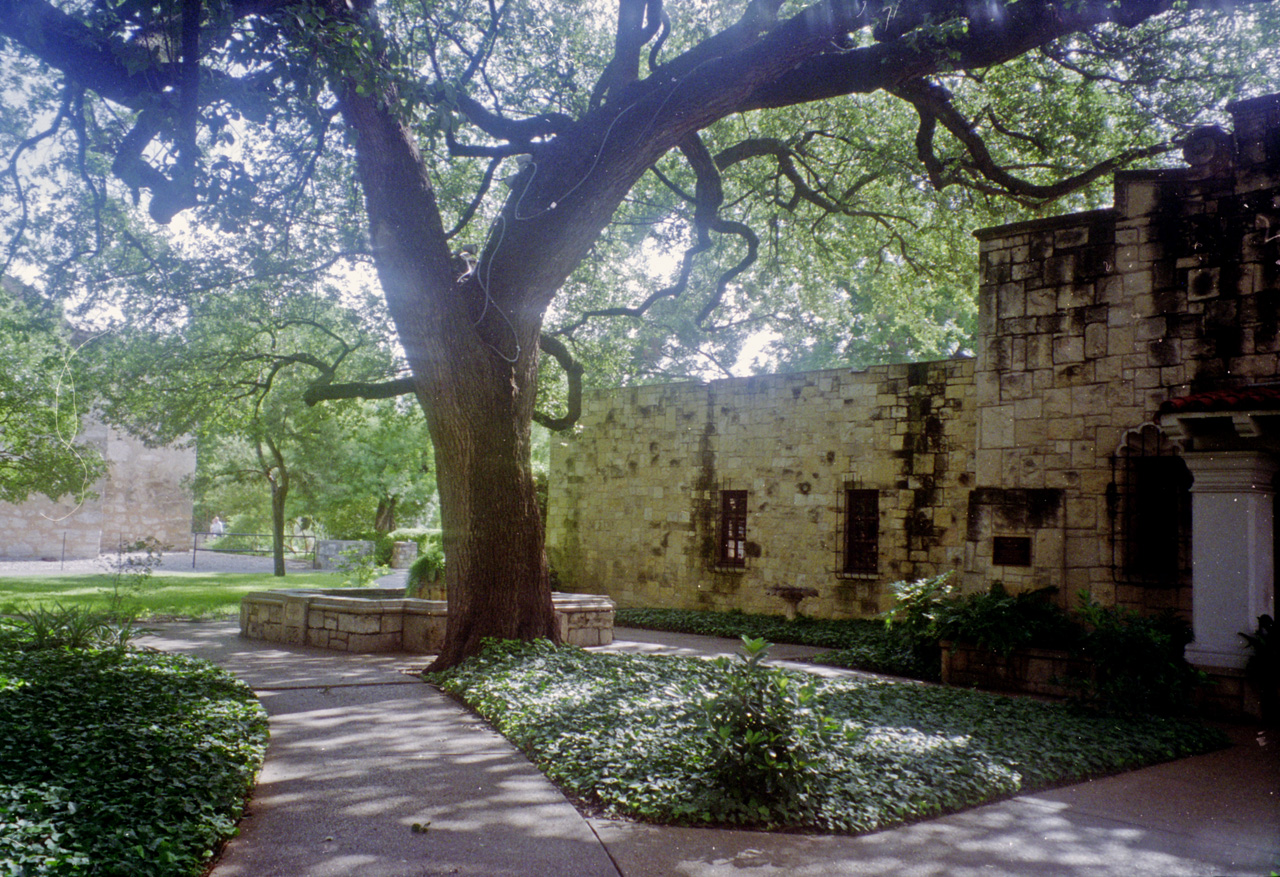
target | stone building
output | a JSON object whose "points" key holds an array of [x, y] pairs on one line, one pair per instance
{"points": [[144, 495], [1116, 433]]}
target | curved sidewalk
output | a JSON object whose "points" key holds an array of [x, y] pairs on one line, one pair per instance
{"points": [[372, 773]]}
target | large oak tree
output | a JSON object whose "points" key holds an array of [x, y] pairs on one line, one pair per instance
{"points": [[571, 106]]}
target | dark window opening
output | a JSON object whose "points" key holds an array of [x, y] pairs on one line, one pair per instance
{"points": [[861, 531], [733, 528], [1150, 506], [1011, 550]]}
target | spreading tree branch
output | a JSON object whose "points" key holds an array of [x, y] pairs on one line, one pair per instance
{"points": [[638, 22], [573, 370], [933, 104]]}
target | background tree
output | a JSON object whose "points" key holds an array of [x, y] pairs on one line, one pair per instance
{"points": [[370, 470], [231, 371], [40, 408], [693, 120]]}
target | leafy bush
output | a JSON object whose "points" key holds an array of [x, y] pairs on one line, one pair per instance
{"points": [[629, 733], [66, 627], [1001, 622], [423, 536], [428, 568], [360, 569], [1138, 663], [767, 744], [1138, 660], [120, 762], [916, 607], [858, 643]]}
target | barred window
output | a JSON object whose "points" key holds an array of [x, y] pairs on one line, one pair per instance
{"points": [[861, 531], [733, 528]]}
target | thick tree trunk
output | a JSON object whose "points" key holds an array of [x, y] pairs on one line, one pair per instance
{"points": [[496, 570], [384, 519], [474, 359]]}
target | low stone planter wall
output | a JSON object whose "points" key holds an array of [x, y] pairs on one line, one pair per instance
{"points": [[384, 620], [1228, 695], [1029, 671]]}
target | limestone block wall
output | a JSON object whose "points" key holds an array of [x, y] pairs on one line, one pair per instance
{"points": [[145, 495], [1017, 467], [634, 501], [1089, 322]]}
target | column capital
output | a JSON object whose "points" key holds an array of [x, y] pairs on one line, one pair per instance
{"points": [[1232, 471]]}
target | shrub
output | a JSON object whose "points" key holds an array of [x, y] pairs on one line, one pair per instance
{"points": [[361, 569], [860, 643], [428, 568], [1001, 622], [422, 536], [66, 627], [767, 743], [916, 606], [120, 762], [1138, 660]]}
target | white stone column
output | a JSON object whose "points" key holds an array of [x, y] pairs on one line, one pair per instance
{"points": [[1232, 545]]}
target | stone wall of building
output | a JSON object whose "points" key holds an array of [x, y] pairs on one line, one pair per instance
{"points": [[635, 496], [1088, 323], [144, 496], [1043, 463]]}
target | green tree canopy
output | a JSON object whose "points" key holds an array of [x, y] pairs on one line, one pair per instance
{"points": [[40, 409]]}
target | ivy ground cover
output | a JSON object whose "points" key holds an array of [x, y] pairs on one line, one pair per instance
{"points": [[118, 762], [630, 735]]}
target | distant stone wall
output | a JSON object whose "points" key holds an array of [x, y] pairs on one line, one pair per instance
{"points": [[145, 495], [333, 553], [634, 500]]}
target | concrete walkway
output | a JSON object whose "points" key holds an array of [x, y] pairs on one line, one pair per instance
{"points": [[371, 773]]}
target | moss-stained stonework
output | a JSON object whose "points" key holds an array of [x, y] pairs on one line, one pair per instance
{"points": [[637, 487], [1016, 466]]}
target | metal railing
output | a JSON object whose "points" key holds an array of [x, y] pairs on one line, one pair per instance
{"points": [[255, 544]]}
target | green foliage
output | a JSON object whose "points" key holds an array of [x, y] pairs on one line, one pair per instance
{"points": [[1002, 622], [861, 643], [629, 734], [428, 568], [1138, 663], [66, 627], [130, 570], [40, 447], [120, 762], [361, 568], [767, 744], [917, 606]]}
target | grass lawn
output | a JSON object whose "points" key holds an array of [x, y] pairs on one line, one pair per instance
{"points": [[167, 593], [690, 741]]}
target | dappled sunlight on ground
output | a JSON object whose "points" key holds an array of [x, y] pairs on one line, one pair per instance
{"points": [[373, 773]]}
